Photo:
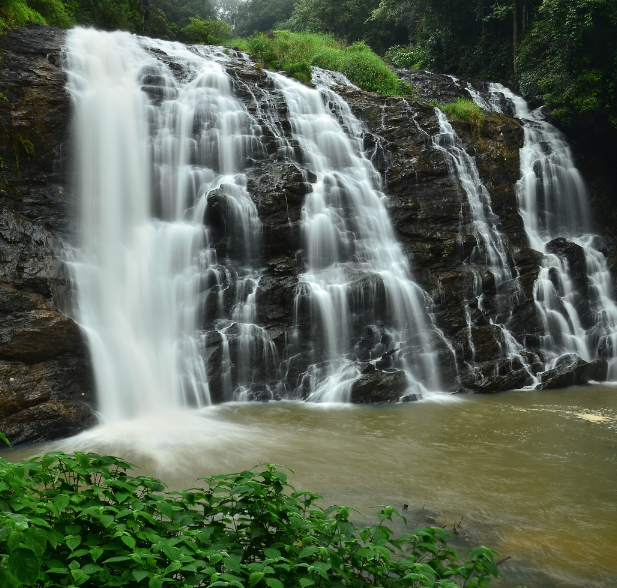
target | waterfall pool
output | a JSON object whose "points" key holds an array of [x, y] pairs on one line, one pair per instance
{"points": [[532, 474]]}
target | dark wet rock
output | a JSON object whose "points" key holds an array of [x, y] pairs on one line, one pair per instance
{"points": [[31, 331], [379, 387], [47, 400], [429, 86], [411, 397], [571, 370], [366, 368], [46, 379], [511, 381]]}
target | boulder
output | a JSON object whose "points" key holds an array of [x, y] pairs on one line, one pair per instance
{"points": [[379, 387], [571, 370]]}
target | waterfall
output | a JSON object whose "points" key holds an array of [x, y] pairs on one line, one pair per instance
{"points": [[490, 250], [144, 169], [357, 276], [169, 255], [554, 205]]}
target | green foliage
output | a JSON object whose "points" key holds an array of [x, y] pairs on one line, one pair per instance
{"points": [[569, 58], [56, 12], [209, 32], [81, 520], [261, 15], [27, 145], [295, 52], [345, 19], [409, 56], [179, 12], [16, 13], [465, 111]]}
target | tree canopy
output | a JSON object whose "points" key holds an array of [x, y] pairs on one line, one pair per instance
{"points": [[563, 52]]}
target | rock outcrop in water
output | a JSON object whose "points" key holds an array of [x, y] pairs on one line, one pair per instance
{"points": [[489, 330]]}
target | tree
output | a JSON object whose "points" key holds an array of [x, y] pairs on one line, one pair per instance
{"points": [[345, 19], [207, 32], [261, 15], [569, 58]]}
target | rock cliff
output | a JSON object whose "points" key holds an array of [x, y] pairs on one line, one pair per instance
{"points": [[46, 384]]}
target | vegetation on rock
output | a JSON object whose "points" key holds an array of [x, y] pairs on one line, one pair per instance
{"points": [[466, 111], [296, 52]]}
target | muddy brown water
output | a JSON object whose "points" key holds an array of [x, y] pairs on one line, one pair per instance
{"points": [[531, 474]]}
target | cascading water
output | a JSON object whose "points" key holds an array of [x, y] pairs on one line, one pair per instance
{"points": [[136, 277], [144, 171], [355, 268], [161, 149], [553, 203], [490, 251]]}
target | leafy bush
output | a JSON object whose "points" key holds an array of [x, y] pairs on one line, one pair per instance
{"points": [[16, 13], [344, 20], [295, 52], [569, 59], [81, 520], [208, 32], [410, 57], [261, 15], [466, 111]]}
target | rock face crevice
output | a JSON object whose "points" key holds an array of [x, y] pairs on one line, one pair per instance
{"points": [[46, 382]]}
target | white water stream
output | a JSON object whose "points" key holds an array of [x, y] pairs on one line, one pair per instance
{"points": [[553, 202], [348, 237]]}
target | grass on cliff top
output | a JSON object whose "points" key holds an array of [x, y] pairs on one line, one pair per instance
{"points": [[466, 111], [295, 53]]}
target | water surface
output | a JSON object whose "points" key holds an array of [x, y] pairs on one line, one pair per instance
{"points": [[533, 474]]}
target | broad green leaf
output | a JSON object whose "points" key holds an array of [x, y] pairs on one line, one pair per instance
{"points": [[322, 565], [308, 551], [96, 553], [306, 582], [73, 542], [128, 541], [14, 540], [232, 564], [274, 583], [36, 540], [61, 502], [254, 578], [77, 574], [73, 529], [139, 575], [106, 520], [91, 568], [3, 438], [24, 565], [272, 553], [117, 559], [173, 553]]}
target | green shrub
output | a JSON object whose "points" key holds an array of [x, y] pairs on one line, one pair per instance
{"points": [[410, 57], [55, 12], [81, 520], [466, 111], [16, 13], [295, 52], [207, 32]]}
